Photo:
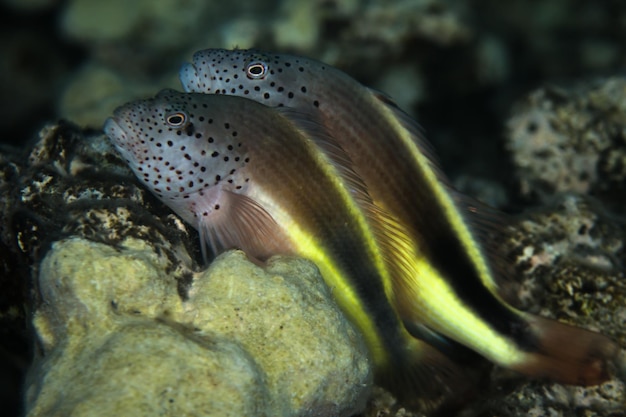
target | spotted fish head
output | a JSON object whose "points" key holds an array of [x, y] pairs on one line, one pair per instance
{"points": [[179, 144], [272, 79]]}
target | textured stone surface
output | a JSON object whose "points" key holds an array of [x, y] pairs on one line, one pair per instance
{"points": [[117, 337], [568, 260], [571, 140]]}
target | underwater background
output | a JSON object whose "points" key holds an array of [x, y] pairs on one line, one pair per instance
{"points": [[476, 74]]}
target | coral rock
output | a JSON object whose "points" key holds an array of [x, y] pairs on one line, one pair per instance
{"points": [[119, 337]]}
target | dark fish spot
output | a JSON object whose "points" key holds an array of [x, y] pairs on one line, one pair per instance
{"points": [[170, 143], [303, 89], [217, 207], [266, 96], [316, 103], [215, 154], [198, 135], [290, 95]]}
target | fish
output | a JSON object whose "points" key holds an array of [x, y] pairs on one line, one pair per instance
{"points": [[250, 177], [443, 282]]}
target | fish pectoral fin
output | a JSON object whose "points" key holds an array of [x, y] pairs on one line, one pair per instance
{"points": [[432, 382], [398, 248], [243, 224]]}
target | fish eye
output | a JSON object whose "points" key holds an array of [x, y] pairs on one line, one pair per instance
{"points": [[177, 119], [256, 70]]}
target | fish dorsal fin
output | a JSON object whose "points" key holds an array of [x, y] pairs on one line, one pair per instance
{"points": [[310, 125], [241, 223], [384, 97], [487, 225], [415, 131], [481, 219]]}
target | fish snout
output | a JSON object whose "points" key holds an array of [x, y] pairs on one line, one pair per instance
{"points": [[113, 130], [192, 80]]}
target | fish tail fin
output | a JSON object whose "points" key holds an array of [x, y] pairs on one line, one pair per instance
{"points": [[432, 382], [567, 354]]}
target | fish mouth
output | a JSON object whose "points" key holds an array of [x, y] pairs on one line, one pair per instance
{"points": [[116, 129], [192, 80]]}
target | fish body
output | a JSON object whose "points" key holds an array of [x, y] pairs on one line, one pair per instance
{"points": [[440, 275], [249, 177]]}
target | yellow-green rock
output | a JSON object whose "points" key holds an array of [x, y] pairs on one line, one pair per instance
{"points": [[119, 336]]}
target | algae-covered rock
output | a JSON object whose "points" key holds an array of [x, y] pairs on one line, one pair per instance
{"points": [[117, 336], [568, 260], [571, 140]]}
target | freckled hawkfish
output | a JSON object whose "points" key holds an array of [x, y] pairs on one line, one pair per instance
{"points": [[441, 278], [250, 177]]}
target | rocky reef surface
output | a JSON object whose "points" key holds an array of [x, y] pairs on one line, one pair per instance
{"points": [[555, 159]]}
